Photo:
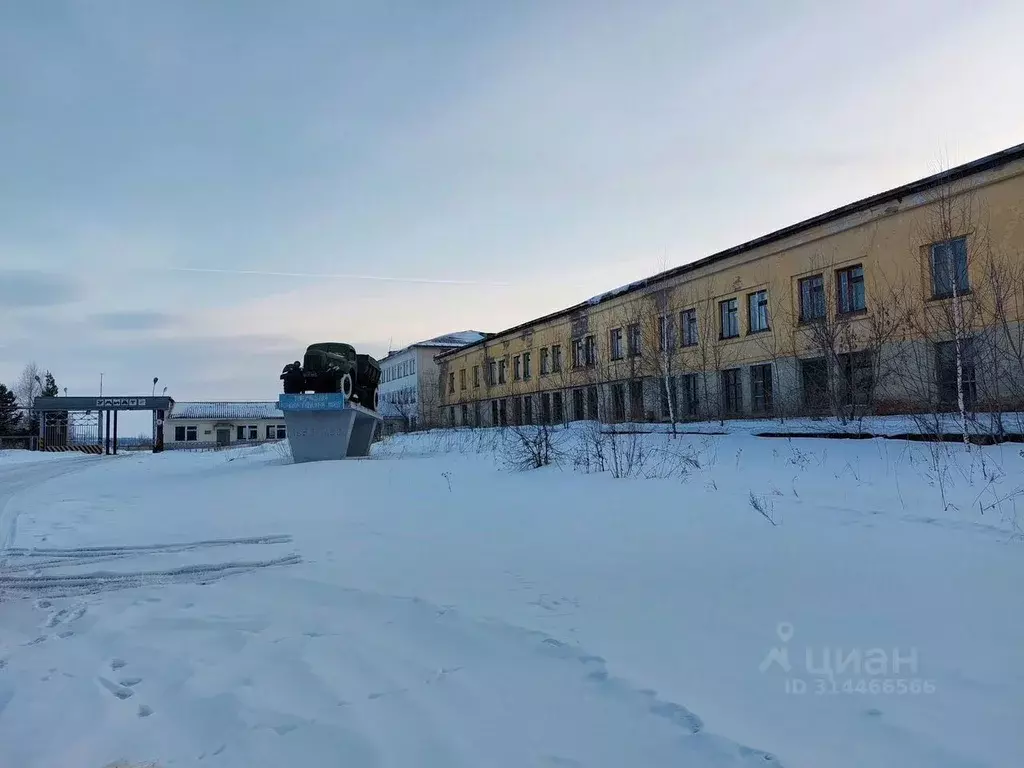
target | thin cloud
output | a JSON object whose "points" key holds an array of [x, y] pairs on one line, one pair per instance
{"points": [[322, 275]]}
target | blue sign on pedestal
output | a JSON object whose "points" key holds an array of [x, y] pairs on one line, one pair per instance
{"points": [[328, 401]]}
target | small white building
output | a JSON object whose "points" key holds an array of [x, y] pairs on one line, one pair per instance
{"points": [[217, 424], [410, 389]]}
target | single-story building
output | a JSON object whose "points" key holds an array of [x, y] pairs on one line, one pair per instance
{"points": [[203, 425]]}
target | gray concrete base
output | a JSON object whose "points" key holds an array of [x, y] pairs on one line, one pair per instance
{"points": [[327, 427]]}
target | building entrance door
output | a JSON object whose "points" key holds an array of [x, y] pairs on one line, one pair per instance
{"points": [[223, 436]]}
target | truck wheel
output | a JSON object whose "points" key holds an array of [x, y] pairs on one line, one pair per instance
{"points": [[376, 400], [345, 385]]}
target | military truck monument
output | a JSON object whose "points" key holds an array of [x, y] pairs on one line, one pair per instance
{"points": [[339, 418]]}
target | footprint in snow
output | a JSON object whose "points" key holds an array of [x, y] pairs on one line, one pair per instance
{"points": [[116, 664], [119, 691], [145, 710]]}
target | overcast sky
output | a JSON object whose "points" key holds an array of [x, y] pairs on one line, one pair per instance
{"points": [[382, 172]]}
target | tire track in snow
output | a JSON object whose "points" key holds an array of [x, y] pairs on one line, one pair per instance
{"points": [[99, 581], [23, 557], [21, 477]]}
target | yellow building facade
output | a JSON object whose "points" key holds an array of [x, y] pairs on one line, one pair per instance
{"points": [[910, 300]]}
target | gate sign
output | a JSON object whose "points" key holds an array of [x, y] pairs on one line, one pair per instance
{"points": [[102, 403]]}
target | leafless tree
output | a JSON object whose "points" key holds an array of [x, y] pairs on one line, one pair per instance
{"points": [[629, 342], [778, 346], [662, 351], [941, 344], [1002, 296], [29, 386], [713, 354]]}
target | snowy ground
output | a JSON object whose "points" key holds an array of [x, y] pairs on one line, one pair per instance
{"points": [[430, 607]]}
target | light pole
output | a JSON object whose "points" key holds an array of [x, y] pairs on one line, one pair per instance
{"points": [[155, 380], [101, 385], [34, 414]]}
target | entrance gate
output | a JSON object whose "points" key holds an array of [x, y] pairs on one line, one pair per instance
{"points": [[84, 423]]}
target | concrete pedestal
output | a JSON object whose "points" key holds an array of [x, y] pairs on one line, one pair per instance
{"points": [[328, 426]]}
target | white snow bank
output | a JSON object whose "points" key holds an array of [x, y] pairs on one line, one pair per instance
{"points": [[428, 608]]}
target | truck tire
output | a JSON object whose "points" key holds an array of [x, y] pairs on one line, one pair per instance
{"points": [[345, 385], [376, 400]]}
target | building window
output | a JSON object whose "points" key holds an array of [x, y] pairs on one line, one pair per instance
{"points": [[527, 409], [556, 358], [526, 366], [503, 411], [615, 343], [556, 403], [812, 298], [271, 431], [949, 268], [590, 350], [462, 378], [545, 408], [465, 414], [254, 433], [761, 388], [729, 319], [502, 370], [476, 376], [545, 361], [850, 289], [635, 338], [492, 371], [495, 420], [636, 400], [691, 401], [814, 380], [858, 377], [186, 434], [688, 324], [618, 402], [578, 410], [665, 340], [577, 353], [517, 411], [517, 368], [240, 433], [451, 382], [946, 373], [732, 393], [476, 413], [592, 402], [757, 311], [282, 431]]}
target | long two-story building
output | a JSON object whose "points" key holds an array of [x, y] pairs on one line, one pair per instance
{"points": [[911, 299]]}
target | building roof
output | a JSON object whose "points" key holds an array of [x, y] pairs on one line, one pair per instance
{"points": [[987, 163], [448, 340], [457, 339], [226, 411]]}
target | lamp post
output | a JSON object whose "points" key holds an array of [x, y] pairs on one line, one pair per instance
{"points": [[155, 380], [34, 414]]}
